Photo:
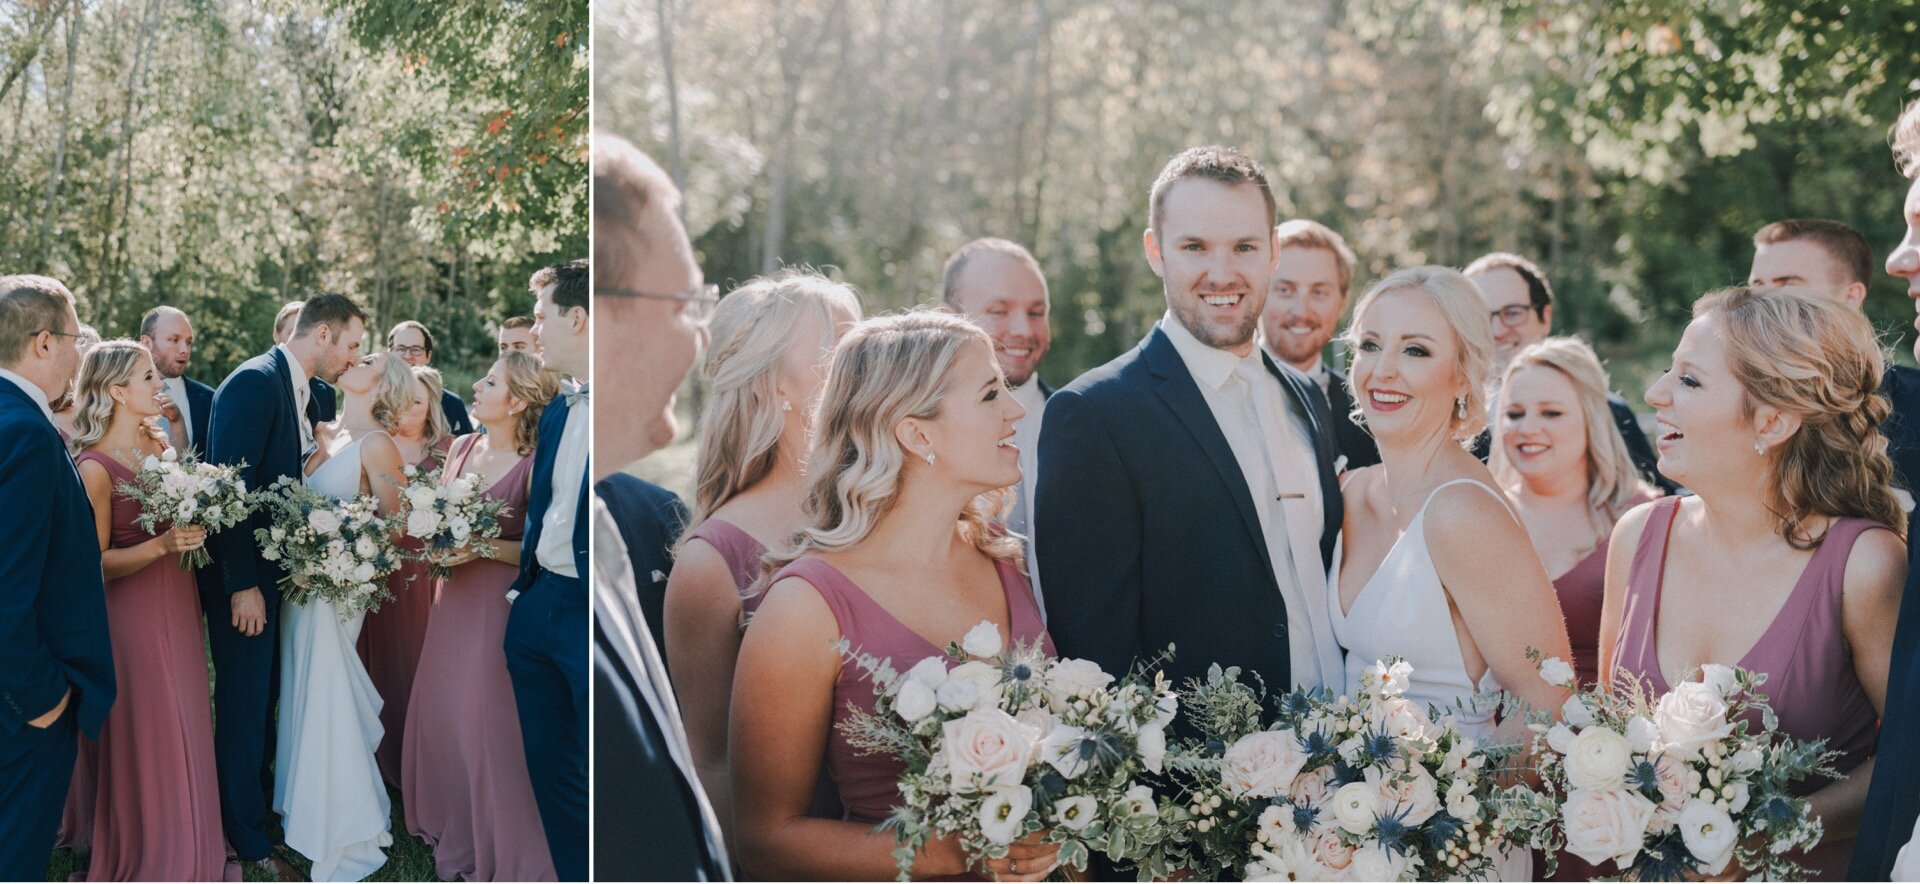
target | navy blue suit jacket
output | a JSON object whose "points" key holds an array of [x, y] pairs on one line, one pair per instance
{"points": [[53, 602], [552, 424], [1352, 440], [321, 402], [650, 519], [1146, 527], [255, 422], [199, 412], [456, 411]]}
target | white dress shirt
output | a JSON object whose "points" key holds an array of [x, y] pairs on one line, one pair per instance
{"points": [[32, 390], [176, 388], [301, 393], [1026, 435], [1273, 447], [555, 552]]}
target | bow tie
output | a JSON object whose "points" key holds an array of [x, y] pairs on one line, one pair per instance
{"points": [[575, 396]]}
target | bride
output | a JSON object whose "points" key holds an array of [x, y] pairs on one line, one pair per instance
{"points": [[327, 786], [1428, 538]]}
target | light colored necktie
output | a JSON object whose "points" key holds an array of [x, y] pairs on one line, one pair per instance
{"points": [[1267, 426]]}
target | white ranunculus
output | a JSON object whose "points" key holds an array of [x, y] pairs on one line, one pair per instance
{"points": [[982, 640], [1062, 750], [1075, 812], [1376, 863], [1606, 825], [986, 747], [170, 455], [1153, 748], [420, 497], [1709, 834], [1560, 738], [1356, 806], [421, 523], [324, 521], [364, 572], [1557, 672], [914, 701], [365, 547], [1721, 678], [1642, 734], [930, 672], [1690, 717], [1575, 712], [1070, 677], [1262, 764], [1598, 759], [1004, 811]]}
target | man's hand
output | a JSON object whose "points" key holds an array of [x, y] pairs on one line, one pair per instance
{"points": [[53, 715], [249, 612]]}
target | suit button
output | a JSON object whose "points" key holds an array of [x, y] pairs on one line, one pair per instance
{"points": [[1279, 630]]}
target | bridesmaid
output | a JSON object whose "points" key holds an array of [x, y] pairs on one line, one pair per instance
{"points": [[390, 639], [771, 340], [463, 769], [1569, 475], [154, 807], [898, 553], [1789, 560]]}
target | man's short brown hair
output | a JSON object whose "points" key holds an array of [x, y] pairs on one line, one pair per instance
{"points": [[426, 337], [512, 322], [29, 305], [1303, 233], [986, 245], [1539, 294], [289, 310], [1214, 163], [1840, 241], [1906, 141], [625, 183], [331, 309], [568, 281]]}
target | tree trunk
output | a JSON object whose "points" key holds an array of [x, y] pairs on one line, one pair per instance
{"points": [[31, 51], [60, 142], [675, 157]]}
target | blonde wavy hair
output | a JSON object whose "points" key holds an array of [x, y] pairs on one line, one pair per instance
{"points": [[1817, 359], [529, 380], [1613, 483], [437, 426], [886, 369], [108, 364], [393, 395], [753, 327], [1459, 301]]}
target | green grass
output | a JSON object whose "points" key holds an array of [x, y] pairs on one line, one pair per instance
{"points": [[409, 859]]}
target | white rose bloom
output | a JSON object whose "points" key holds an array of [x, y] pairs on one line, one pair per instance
{"points": [[1414, 795], [1576, 712], [1557, 672], [1004, 811], [1039, 724], [364, 572], [1153, 748], [365, 547], [323, 521], [983, 640], [170, 455], [1356, 806], [1598, 759], [1606, 825], [981, 689], [1376, 863], [1721, 678], [1642, 734], [958, 695], [930, 672], [421, 523], [1262, 764], [1690, 717], [1075, 812], [421, 497], [1709, 834], [1068, 677], [913, 702], [988, 744]]}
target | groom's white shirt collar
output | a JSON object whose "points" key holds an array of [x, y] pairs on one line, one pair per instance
{"points": [[1209, 365], [294, 368], [32, 390]]}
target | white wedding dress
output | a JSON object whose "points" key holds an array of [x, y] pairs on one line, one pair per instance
{"points": [[1402, 611], [326, 784]]}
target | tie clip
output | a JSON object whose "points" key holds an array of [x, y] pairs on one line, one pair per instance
{"points": [[1290, 496]]}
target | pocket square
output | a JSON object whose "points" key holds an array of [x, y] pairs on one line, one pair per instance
{"points": [[658, 575]]}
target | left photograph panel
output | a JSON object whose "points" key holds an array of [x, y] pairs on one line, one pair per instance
{"points": [[293, 341]]}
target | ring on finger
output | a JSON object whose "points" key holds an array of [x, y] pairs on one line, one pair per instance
{"points": [[1013, 865]]}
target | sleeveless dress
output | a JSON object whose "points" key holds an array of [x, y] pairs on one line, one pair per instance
{"points": [[1810, 678], [868, 783], [326, 785], [1403, 611], [463, 768], [390, 641], [148, 797]]}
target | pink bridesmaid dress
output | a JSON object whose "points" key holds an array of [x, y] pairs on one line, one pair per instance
{"points": [[390, 642], [146, 795], [462, 767]]}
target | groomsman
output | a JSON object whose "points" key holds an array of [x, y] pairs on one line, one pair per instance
{"points": [[168, 334], [413, 343], [1187, 493], [547, 630], [321, 392], [56, 665], [1520, 307], [1305, 300], [998, 285], [649, 292], [516, 333], [263, 417]]}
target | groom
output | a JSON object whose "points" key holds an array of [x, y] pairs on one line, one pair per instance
{"points": [[263, 419], [56, 666], [1186, 493]]}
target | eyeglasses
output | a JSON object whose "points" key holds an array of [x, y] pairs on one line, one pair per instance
{"points": [[410, 351], [59, 334], [700, 302], [1511, 315]]}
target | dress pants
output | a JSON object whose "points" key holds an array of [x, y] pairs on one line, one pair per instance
{"points": [[546, 648], [246, 684], [36, 766]]}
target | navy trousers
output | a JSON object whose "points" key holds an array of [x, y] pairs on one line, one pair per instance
{"points": [[546, 649], [36, 767], [246, 684]]}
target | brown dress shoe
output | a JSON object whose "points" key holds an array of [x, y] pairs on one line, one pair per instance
{"points": [[282, 869]]}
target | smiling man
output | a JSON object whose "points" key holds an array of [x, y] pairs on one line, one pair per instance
{"points": [[1186, 491], [1305, 300], [998, 285]]}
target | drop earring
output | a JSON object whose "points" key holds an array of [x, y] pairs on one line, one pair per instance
{"points": [[929, 458], [785, 405], [1460, 408]]}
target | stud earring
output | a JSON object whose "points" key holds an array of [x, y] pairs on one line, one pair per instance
{"points": [[785, 405], [1760, 449], [929, 458]]}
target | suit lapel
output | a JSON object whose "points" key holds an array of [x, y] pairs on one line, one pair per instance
{"points": [[1325, 450], [1181, 394]]}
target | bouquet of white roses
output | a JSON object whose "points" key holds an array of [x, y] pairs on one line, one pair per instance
{"points": [[1369, 788], [1669, 787], [187, 492], [1000, 743], [337, 550], [446, 517]]}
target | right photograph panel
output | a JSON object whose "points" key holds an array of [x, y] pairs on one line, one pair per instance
{"points": [[1400, 440]]}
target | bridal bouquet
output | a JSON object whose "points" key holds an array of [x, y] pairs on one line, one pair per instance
{"points": [[446, 517], [1369, 788], [1000, 743], [1669, 787], [187, 492], [340, 551]]}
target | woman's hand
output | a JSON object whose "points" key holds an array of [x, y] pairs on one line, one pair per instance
{"points": [[1028, 859], [183, 539], [459, 556]]}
